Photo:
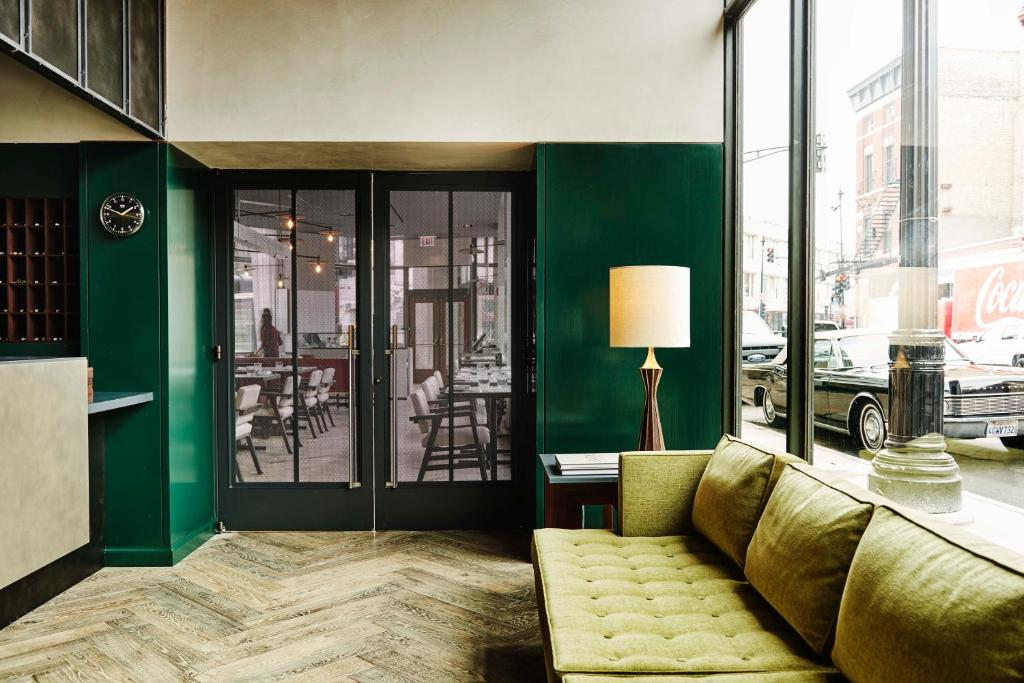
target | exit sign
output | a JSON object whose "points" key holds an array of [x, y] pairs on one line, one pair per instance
{"points": [[427, 240]]}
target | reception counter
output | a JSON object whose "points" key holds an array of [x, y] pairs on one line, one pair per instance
{"points": [[51, 497]]}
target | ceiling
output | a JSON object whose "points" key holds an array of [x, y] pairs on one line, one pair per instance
{"points": [[377, 156]]}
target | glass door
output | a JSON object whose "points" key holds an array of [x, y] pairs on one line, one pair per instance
{"points": [[298, 432], [448, 414], [372, 376]]}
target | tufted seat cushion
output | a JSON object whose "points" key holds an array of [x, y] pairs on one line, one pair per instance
{"points": [[667, 604]]}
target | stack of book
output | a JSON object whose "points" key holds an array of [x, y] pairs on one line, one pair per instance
{"points": [[587, 464]]}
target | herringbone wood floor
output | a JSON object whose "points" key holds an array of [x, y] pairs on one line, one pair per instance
{"points": [[391, 606]]}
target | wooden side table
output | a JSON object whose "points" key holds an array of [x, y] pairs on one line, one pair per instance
{"points": [[565, 496]]}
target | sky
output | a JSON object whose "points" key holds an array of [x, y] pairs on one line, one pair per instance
{"points": [[854, 39]]}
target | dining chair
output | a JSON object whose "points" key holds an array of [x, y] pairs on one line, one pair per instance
{"points": [[247, 400], [323, 395], [280, 407], [449, 444], [309, 402], [432, 387]]}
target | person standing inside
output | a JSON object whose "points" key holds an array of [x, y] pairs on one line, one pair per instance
{"points": [[270, 337]]}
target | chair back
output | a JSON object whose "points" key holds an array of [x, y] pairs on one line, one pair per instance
{"points": [[326, 381], [420, 408], [247, 398], [287, 391], [440, 378], [314, 383], [430, 388]]}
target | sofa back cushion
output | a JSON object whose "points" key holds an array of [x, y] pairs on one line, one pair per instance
{"points": [[802, 549], [926, 602], [732, 493]]}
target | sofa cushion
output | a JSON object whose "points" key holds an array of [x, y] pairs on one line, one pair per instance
{"points": [[927, 602], [732, 493], [668, 604], [802, 549]]}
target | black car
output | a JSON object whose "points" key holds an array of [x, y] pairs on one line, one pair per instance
{"points": [[851, 391]]}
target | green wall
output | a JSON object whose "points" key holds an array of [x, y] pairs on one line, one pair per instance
{"points": [[189, 371], [604, 205], [148, 318]]}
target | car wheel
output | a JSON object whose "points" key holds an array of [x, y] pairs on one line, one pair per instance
{"points": [[871, 428], [771, 416], [1013, 441]]}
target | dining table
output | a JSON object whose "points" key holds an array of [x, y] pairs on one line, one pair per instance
{"points": [[490, 385]]}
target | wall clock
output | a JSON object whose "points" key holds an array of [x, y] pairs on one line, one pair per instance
{"points": [[121, 214]]}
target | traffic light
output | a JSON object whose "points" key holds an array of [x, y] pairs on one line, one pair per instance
{"points": [[771, 255], [842, 284]]}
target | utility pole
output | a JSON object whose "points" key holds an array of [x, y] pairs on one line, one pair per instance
{"points": [[914, 468], [839, 209], [761, 308]]}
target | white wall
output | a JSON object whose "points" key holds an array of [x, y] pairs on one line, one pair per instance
{"points": [[444, 70]]}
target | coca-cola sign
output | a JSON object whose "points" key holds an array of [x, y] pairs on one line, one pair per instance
{"points": [[987, 295]]}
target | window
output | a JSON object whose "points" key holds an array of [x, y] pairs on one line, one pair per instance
{"points": [[764, 120], [868, 170], [971, 253], [890, 163]]}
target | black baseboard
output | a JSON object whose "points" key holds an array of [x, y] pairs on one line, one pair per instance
{"points": [[29, 592]]}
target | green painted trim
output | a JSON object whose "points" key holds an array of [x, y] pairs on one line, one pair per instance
{"points": [[136, 556], [193, 540], [541, 242]]}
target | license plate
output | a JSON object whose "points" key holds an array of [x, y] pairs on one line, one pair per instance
{"points": [[1001, 428]]}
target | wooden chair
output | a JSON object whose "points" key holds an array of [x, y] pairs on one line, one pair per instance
{"points": [[323, 394], [449, 444], [308, 402], [247, 401], [280, 407]]}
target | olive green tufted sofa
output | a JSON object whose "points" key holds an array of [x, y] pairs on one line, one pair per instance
{"points": [[739, 565]]}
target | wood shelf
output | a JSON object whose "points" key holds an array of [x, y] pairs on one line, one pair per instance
{"points": [[39, 270]]}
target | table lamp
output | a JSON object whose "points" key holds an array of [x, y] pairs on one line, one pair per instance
{"points": [[649, 306]]}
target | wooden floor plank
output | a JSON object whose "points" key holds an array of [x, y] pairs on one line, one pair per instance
{"points": [[389, 607]]}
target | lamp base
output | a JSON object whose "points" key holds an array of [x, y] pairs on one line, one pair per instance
{"points": [[651, 437]]}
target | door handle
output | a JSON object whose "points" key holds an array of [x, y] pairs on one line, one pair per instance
{"points": [[353, 442], [378, 379], [392, 368]]}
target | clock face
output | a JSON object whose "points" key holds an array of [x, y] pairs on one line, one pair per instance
{"points": [[122, 214]]}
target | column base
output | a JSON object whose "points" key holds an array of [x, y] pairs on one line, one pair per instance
{"points": [[918, 474]]}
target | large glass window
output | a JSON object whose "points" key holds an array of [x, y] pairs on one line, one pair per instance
{"points": [[864, 291], [764, 221]]}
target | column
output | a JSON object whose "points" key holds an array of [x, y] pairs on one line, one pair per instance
{"points": [[914, 468]]}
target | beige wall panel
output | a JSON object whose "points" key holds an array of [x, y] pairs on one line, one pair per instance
{"points": [[44, 458], [445, 70], [34, 109]]}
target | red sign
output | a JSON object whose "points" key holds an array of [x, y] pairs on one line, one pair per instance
{"points": [[986, 295], [427, 240]]}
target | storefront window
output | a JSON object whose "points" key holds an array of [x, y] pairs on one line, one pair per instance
{"points": [[961, 273], [764, 221]]}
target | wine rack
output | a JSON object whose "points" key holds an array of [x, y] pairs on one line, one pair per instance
{"points": [[39, 270]]}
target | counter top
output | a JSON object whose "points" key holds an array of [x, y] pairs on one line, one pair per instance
{"points": [[112, 400]]}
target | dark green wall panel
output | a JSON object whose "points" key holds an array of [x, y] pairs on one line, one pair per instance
{"points": [[124, 331], [38, 170], [189, 382], [604, 205]]}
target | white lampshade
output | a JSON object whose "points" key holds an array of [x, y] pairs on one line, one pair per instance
{"points": [[649, 306]]}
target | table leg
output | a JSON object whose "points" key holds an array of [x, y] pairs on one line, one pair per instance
{"points": [[492, 445]]}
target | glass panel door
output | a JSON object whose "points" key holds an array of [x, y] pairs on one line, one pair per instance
{"points": [[444, 454], [295, 454]]}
